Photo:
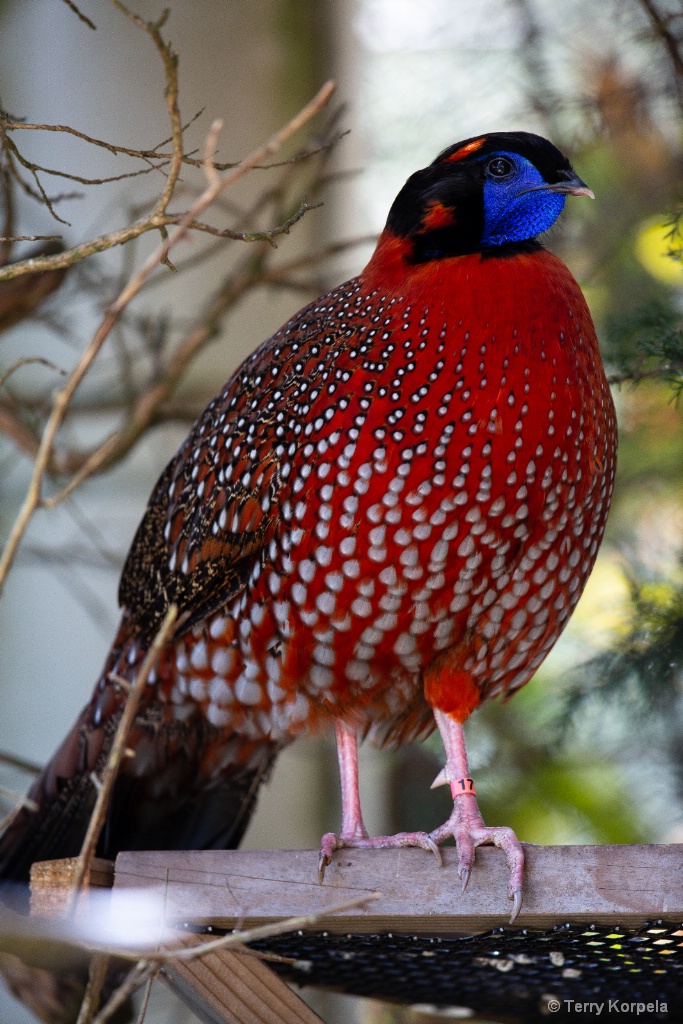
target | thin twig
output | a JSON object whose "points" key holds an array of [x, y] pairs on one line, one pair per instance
{"points": [[9, 818], [11, 125], [151, 406], [117, 753], [97, 974], [28, 361], [35, 168], [79, 14], [155, 220], [136, 977], [672, 44], [155, 158], [218, 185], [30, 238], [236, 938], [145, 410], [251, 236], [265, 931], [18, 798], [145, 998], [159, 219], [19, 762]]}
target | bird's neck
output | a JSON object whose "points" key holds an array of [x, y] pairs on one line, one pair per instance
{"points": [[532, 286]]}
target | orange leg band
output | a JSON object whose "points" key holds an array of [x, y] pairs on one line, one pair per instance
{"points": [[463, 787]]}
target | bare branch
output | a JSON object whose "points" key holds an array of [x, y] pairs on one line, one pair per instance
{"points": [[19, 762], [218, 185], [23, 437], [18, 798], [30, 238], [79, 14], [117, 753], [264, 931], [249, 236], [12, 125], [156, 218], [29, 361], [70, 257], [64, 396], [146, 408], [152, 406], [233, 938], [673, 44], [210, 147], [97, 975], [18, 801], [145, 998], [34, 168], [135, 978], [121, 441]]}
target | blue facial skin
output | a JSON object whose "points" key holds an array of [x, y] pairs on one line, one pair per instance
{"points": [[511, 212]]}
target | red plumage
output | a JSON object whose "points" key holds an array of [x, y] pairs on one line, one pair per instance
{"points": [[390, 510]]}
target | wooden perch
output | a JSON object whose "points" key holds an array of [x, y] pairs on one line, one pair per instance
{"points": [[52, 883], [223, 987], [609, 885], [574, 884]]}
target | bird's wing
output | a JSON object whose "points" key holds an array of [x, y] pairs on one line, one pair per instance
{"points": [[197, 545], [216, 506]]}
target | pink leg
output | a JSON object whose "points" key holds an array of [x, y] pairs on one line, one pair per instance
{"points": [[466, 824], [347, 755], [353, 833]]}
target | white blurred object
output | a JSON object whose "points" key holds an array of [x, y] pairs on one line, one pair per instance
{"points": [[131, 921]]}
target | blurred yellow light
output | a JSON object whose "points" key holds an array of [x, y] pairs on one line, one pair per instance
{"points": [[655, 242], [602, 610]]}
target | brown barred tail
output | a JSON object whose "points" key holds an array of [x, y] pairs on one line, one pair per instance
{"points": [[162, 800]]}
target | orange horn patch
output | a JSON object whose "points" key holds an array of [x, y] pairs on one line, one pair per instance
{"points": [[470, 147]]}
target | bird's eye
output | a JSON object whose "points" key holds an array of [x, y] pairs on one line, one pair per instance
{"points": [[499, 167]]}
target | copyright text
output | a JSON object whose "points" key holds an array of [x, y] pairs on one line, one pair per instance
{"points": [[609, 1006]]}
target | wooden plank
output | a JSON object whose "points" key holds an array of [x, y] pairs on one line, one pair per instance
{"points": [[222, 987], [51, 883], [575, 884], [225, 987]]}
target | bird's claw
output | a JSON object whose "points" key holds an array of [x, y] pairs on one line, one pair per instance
{"points": [[331, 842], [466, 826], [328, 844], [431, 845], [516, 898]]}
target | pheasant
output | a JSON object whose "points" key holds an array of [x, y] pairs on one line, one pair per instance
{"points": [[385, 518]]}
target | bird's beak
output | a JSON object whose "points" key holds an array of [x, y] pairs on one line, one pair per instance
{"points": [[573, 186]]}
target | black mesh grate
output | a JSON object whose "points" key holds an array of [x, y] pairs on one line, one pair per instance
{"points": [[522, 975]]}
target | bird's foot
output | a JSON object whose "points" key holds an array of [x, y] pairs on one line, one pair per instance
{"points": [[358, 840], [467, 827]]}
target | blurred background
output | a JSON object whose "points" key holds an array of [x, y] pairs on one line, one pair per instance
{"points": [[590, 751]]}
